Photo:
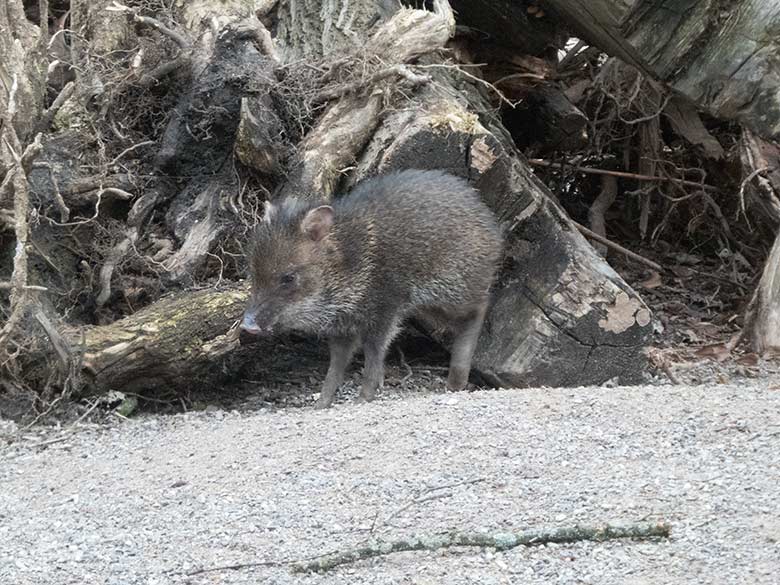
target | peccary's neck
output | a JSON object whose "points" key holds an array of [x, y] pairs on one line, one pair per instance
{"points": [[350, 268]]}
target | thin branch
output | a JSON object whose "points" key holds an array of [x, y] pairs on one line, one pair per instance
{"points": [[537, 162], [81, 221], [156, 74], [4, 285], [404, 508], [479, 80], [599, 207], [520, 76], [395, 70], [58, 342], [498, 541], [130, 149], [176, 36], [118, 193], [43, 24], [48, 116], [610, 244], [237, 566]]}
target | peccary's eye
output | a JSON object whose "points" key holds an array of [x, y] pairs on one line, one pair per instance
{"points": [[287, 278]]}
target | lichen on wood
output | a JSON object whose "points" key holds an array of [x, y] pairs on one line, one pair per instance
{"points": [[499, 541]]}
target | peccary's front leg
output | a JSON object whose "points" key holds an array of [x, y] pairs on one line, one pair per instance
{"points": [[466, 333], [341, 351], [374, 352]]}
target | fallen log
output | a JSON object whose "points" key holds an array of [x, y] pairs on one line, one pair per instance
{"points": [[174, 343]]}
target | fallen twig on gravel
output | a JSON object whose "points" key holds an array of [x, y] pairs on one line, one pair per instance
{"points": [[499, 541], [431, 493]]}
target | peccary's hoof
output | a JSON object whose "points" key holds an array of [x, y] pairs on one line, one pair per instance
{"points": [[364, 397], [322, 404], [456, 385]]}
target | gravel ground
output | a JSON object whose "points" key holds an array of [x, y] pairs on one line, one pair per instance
{"points": [[151, 499]]}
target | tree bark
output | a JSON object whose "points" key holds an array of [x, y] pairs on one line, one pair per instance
{"points": [[23, 57], [722, 56], [761, 169], [170, 344], [21, 102]]}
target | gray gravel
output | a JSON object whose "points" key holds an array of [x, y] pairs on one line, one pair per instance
{"points": [[148, 500]]}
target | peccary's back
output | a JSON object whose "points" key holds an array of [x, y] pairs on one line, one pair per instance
{"points": [[433, 240]]}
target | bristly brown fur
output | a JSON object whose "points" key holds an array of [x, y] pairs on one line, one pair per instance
{"points": [[408, 243]]}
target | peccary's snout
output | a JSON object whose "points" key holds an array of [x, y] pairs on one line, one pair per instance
{"points": [[249, 324], [256, 321]]}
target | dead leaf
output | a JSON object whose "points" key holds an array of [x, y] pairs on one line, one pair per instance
{"points": [[653, 282], [682, 271], [749, 359], [685, 258], [732, 343], [719, 352]]}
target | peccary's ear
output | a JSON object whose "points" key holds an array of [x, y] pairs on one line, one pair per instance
{"points": [[268, 211], [318, 222]]}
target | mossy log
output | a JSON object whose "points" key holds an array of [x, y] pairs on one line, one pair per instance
{"points": [[174, 343]]}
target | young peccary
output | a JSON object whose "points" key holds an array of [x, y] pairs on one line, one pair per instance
{"points": [[412, 243]]}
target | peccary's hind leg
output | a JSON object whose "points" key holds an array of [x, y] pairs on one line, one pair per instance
{"points": [[375, 347], [465, 335], [341, 351]]}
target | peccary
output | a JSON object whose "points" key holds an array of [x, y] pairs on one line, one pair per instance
{"points": [[411, 243]]}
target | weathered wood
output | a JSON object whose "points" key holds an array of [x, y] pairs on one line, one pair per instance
{"points": [[173, 343], [21, 100], [201, 135], [761, 186], [348, 124], [722, 56], [599, 207], [315, 29], [21, 60], [763, 320]]}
